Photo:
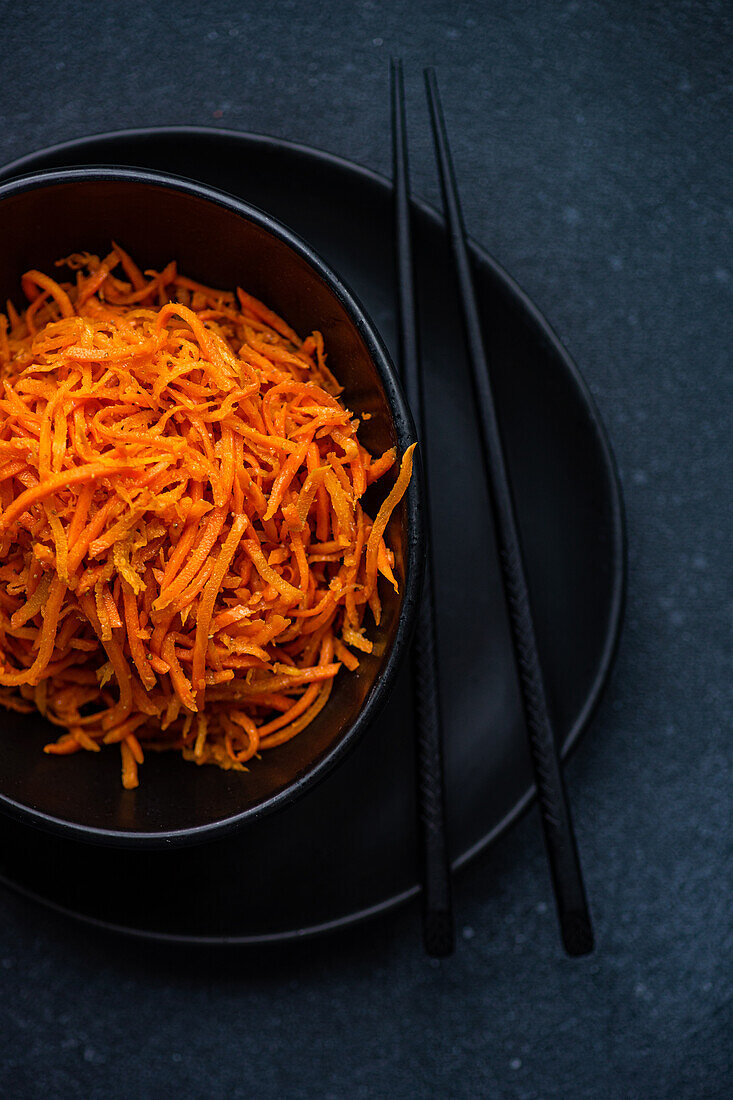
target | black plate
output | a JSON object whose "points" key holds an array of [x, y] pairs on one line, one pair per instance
{"points": [[348, 849]]}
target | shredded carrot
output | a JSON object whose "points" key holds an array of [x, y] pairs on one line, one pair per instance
{"points": [[185, 562]]}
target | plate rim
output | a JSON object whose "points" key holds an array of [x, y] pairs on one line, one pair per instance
{"points": [[619, 533]]}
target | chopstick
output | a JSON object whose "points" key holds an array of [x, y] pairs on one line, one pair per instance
{"points": [[437, 907], [562, 850]]}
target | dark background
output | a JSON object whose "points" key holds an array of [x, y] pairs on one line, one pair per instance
{"points": [[592, 141]]}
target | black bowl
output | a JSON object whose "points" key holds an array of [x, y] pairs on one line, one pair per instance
{"points": [[221, 241]]}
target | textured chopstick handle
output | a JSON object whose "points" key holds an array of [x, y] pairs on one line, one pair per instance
{"points": [[438, 932], [562, 850]]}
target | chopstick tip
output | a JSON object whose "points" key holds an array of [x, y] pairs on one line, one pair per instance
{"points": [[438, 933], [431, 90], [577, 933]]}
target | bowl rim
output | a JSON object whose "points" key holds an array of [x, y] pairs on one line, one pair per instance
{"points": [[415, 543]]}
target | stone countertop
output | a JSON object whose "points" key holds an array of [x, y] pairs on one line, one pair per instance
{"points": [[592, 143]]}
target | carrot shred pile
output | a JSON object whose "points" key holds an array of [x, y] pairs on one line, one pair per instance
{"points": [[184, 560]]}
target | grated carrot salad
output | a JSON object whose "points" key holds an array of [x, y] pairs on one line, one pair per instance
{"points": [[184, 560]]}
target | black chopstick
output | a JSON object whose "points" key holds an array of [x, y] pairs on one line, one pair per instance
{"points": [[437, 906], [562, 850]]}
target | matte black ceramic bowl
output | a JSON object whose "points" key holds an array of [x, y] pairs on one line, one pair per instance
{"points": [[220, 241]]}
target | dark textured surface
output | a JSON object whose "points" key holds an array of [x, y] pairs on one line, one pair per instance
{"points": [[590, 142]]}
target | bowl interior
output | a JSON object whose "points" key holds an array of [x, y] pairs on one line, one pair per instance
{"points": [[222, 243]]}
